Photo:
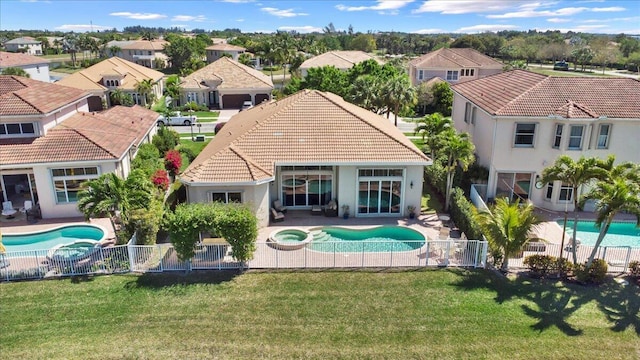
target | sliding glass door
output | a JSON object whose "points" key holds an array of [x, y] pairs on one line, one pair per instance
{"points": [[303, 190]]}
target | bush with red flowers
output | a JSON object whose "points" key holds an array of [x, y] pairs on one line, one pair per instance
{"points": [[161, 179], [172, 162]]}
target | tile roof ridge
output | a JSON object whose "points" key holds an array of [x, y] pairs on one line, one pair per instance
{"points": [[85, 137], [246, 69], [571, 104], [343, 57], [535, 86], [249, 161]]}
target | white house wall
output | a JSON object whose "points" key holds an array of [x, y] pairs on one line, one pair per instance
{"points": [[38, 72]]}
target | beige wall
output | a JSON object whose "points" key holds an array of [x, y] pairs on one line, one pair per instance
{"points": [[257, 196]]}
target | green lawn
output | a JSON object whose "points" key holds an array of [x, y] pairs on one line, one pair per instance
{"points": [[420, 314]]}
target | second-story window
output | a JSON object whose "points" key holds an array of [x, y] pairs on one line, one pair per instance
{"points": [[452, 75], [524, 135], [420, 74], [558, 136], [603, 136], [575, 137]]}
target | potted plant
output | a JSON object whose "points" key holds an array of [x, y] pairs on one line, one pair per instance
{"points": [[345, 211], [412, 211]]}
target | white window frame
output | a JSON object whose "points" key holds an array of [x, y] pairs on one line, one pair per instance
{"points": [[568, 191], [606, 137], [533, 136], [70, 177], [557, 137], [22, 133], [453, 75], [226, 195], [420, 74], [571, 136], [548, 194]]}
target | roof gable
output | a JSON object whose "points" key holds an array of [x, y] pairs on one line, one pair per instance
{"points": [[8, 59], [24, 96], [230, 74], [454, 58], [90, 78], [339, 59]]}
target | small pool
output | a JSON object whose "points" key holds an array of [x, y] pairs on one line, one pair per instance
{"points": [[77, 250], [619, 234], [378, 239], [48, 239], [290, 239]]}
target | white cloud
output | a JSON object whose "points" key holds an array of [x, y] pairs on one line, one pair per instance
{"points": [[485, 28], [429, 31], [622, 19], [609, 9], [385, 7], [198, 18], [82, 27], [558, 20], [465, 6], [240, 20], [138, 16], [237, 1], [534, 13], [281, 12], [301, 29]]}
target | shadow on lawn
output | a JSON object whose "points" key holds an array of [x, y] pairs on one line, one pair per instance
{"points": [[173, 279], [555, 301]]}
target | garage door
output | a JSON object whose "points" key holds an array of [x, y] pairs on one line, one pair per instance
{"points": [[261, 97], [234, 101]]}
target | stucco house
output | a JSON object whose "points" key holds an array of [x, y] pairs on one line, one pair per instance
{"points": [[215, 51], [50, 143], [26, 44], [306, 150], [36, 67], [342, 60], [148, 53], [453, 65], [113, 74], [520, 122], [225, 84]]}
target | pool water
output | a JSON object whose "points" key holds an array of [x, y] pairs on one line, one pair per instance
{"points": [[48, 239], [619, 234], [379, 239]]}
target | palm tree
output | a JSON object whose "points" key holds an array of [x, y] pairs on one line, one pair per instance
{"points": [[117, 97], [144, 88], [433, 130], [399, 93], [172, 88], [576, 174], [459, 151], [245, 59], [618, 191], [365, 92], [507, 226]]}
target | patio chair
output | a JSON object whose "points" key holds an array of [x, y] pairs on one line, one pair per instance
{"points": [[33, 212], [8, 210], [276, 215], [278, 206]]}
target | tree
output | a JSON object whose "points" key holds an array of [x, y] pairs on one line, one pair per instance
{"points": [[576, 174], [443, 98], [15, 71], [172, 88], [245, 59], [433, 129], [582, 55], [399, 93], [326, 78], [364, 42], [507, 226], [457, 150], [618, 191], [144, 88], [117, 97], [366, 92]]}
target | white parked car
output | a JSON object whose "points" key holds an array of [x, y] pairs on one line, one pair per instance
{"points": [[246, 105], [177, 119]]}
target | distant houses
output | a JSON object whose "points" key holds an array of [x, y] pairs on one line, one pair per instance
{"points": [[342, 60], [216, 51], [25, 44], [36, 67], [453, 65]]}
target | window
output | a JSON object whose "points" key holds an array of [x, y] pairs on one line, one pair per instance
{"points": [[452, 75], [566, 193], [469, 113], [420, 74], [380, 172], [227, 197], [17, 129], [549, 191], [473, 115], [466, 72], [575, 137], [603, 136], [67, 182], [558, 137], [524, 135]]}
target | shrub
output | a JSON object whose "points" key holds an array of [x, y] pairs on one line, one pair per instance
{"points": [[161, 179], [634, 269], [147, 159], [436, 175], [541, 266], [594, 275], [188, 153], [172, 161], [462, 214], [165, 140], [218, 127]]}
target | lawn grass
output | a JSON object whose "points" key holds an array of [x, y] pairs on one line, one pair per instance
{"points": [[196, 146], [420, 314]]}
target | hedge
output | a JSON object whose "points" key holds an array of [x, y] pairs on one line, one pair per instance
{"points": [[462, 215]]}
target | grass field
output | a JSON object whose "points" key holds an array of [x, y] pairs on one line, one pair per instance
{"points": [[421, 314]]}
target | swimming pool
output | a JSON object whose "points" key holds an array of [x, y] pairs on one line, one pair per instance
{"points": [[47, 239], [619, 234], [378, 239]]}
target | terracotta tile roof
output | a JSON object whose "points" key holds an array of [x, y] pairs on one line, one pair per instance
{"points": [[23, 96], [455, 58], [229, 74], [84, 137], [91, 77], [523, 93], [309, 127], [157, 45], [339, 59], [225, 47], [8, 59]]}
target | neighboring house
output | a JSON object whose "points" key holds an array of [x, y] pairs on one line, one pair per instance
{"points": [[453, 65], [114, 74], [50, 144], [521, 122], [226, 84], [36, 67], [306, 150], [27, 45], [114, 47], [215, 51], [146, 53], [342, 60]]}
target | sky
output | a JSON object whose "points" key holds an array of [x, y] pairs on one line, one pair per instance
{"points": [[304, 16]]}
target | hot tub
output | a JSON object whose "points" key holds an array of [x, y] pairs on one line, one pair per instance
{"points": [[290, 239]]}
